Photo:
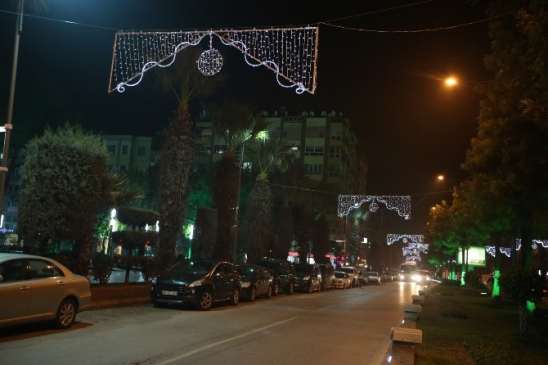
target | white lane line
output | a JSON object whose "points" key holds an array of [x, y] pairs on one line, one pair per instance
{"points": [[168, 361]]}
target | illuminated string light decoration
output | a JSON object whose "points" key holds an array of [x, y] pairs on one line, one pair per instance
{"points": [[508, 250], [422, 247], [291, 53], [401, 204], [414, 238]]}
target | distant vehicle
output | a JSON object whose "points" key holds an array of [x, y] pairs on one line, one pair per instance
{"points": [[372, 277], [406, 271], [328, 276], [387, 275], [200, 282], [255, 281], [395, 273], [342, 280], [308, 277], [421, 276], [39, 289], [283, 275]]}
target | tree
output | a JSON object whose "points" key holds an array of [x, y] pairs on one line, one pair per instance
{"points": [[236, 123], [184, 82], [267, 155], [62, 190], [510, 148], [522, 285]]}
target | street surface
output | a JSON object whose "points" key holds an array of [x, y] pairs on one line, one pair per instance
{"points": [[334, 327]]}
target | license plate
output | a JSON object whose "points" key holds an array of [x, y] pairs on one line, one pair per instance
{"points": [[169, 292]]}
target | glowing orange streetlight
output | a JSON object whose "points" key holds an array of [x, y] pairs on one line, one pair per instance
{"points": [[441, 177], [451, 82]]}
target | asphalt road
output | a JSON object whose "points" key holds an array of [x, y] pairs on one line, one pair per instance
{"points": [[333, 327]]}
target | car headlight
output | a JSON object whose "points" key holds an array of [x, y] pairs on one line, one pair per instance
{"points": [[245, 284], [196, 283]]}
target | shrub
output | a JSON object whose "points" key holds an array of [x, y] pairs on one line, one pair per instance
{"points": [[149, 268], [101, 269]]}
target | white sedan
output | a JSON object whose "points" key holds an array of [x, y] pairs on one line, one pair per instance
{"points": [[342, 280], [39, 289]]}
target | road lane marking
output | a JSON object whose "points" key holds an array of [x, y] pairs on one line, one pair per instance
{"points": [[190, 353]]}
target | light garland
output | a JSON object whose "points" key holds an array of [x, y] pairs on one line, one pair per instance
{"points": [[508, 250], [291, 53], [414, 238], [401, 204]]}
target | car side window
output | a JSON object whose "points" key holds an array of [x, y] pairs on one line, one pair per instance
{"points": [[43, 269], [13, 270], [228, 269]]}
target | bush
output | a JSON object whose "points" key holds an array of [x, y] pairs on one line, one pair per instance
{"points": [[101, 269], [149, 268]]}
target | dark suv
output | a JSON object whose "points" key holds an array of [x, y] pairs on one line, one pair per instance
{"points": [[308, 277], [200, 282], [283, 275]]}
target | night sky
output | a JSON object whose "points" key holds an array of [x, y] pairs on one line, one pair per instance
{"points": [[373, 67]]}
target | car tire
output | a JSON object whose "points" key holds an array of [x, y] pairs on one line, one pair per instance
{"points": [[290, 288], [252, 294], [206, 300], [66, 314], [276, 289], [235, 297]]}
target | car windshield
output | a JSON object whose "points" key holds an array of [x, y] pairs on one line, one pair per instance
{"points": [[192, 267], [341, 275], [303, 269], [246, 270]]}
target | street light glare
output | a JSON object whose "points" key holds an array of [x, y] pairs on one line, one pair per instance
{"points": [[441, 177], [450, 81]]}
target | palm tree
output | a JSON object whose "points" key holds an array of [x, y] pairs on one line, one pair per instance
{"points": [[184, 82], [267, 155], [236, 123]]}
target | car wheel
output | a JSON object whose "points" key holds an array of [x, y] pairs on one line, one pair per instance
{"points": [[291, 288], [252, 294], [65, 314], [206, 300], [276, 289], [236, 297]]}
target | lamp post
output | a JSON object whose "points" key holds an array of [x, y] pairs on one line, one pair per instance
{"points": [[8, 125]]}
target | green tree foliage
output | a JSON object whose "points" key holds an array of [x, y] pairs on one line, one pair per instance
{"points": [[509, 149], [61, 189]]}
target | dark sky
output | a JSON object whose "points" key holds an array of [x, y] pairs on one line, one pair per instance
{"points": [[374, 68]]}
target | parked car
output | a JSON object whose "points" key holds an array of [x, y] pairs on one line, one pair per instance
{"points": [[328, 276], [342, 280], [283, 275], [387, 276], [39, 289], [255, 281], [421, 276], [308, 277], [352, 272], [200, 282], [373, 277]]}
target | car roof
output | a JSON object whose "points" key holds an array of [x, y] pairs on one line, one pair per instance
{"points": [[16, 255]]}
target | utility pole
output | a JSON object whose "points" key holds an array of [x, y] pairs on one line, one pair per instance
{"points": [[8, 125]]}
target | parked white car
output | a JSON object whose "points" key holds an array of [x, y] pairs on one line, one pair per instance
{"points": [[342, 280], [39, 289]]}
